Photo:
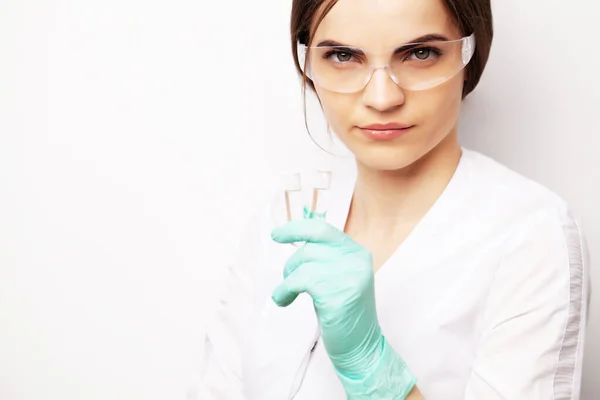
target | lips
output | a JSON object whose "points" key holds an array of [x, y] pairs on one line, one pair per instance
{"points": [[385, 127], [385, 131]]}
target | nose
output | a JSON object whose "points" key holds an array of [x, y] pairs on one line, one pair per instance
{"points": [[381, 92]]}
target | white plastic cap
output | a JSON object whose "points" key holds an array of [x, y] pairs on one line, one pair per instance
{"points": [[320, 180], [290, 181]]}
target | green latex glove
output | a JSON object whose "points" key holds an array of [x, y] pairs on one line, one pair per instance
{"points": [[338, 274]]}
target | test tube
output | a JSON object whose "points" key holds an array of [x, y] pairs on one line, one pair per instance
{"points": [[319, 182], [292, 200], [292, 192]]}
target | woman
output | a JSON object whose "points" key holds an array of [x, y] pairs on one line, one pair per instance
{"points": [[439, 273]]}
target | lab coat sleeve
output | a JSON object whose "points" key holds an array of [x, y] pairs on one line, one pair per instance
{"points": [[535, 317], [219, 376]]}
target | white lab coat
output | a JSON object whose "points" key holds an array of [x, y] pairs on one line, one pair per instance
{"points": [[486, 299]]}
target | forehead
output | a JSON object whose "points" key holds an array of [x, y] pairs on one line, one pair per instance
{"points": [[385, 23]]}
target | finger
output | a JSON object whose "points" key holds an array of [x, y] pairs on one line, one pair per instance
{"points": [[307, 230], [309, 253], [293, 285]]}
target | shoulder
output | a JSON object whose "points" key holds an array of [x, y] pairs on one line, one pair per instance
{"points": [[535, 222], [505, 190], [500, 195], [543, 235]]}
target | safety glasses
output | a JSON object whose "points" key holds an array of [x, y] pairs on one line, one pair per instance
{"points": [[412, 66]]}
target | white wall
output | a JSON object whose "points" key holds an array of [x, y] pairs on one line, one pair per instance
{"points": [[135, 134]]}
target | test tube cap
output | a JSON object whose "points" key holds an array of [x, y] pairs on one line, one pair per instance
{"points": [[320, 179], [290, 181]]}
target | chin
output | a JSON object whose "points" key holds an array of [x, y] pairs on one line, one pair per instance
{"points": [[391, 158]]}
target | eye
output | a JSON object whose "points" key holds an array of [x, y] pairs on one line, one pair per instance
{"points": [[339, 55], [343, 57], [422, 54]]}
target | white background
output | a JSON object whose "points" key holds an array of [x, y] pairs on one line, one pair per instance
{"points": [[136, 135]]}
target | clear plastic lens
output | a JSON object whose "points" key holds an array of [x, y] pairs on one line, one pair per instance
{"points": [[413, 67]]}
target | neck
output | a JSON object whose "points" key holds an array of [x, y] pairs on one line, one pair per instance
{"points": [[385, 201]]}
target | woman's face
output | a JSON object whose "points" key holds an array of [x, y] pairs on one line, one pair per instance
{"points": [[380, 26]]}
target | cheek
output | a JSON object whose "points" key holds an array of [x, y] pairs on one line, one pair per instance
{"points": [[441, 106], [337, 108]]}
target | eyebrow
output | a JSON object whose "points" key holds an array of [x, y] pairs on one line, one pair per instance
{"points": [[432, 37]]}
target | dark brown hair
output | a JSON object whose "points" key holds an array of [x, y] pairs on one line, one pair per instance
{"points": [[471, 16]]}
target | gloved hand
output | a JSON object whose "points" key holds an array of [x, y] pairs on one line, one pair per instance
{"points": [[338, 274]]}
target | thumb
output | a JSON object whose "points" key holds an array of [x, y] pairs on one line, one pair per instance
{"points": [[297, 282]]}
